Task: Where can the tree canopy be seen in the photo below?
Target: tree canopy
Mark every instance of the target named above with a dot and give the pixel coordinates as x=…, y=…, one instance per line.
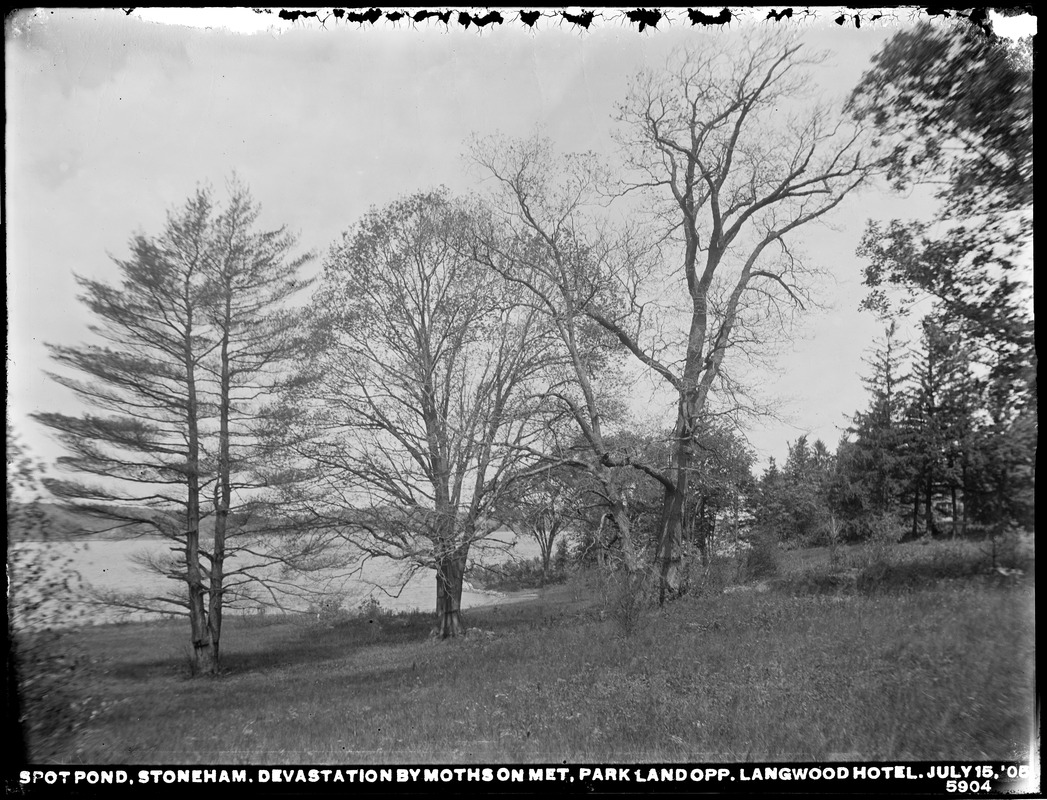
x=970, y=138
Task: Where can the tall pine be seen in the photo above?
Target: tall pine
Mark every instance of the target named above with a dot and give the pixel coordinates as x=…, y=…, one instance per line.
x=191, y=339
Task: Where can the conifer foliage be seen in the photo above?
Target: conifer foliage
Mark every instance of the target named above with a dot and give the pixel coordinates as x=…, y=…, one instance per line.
x=188, y=342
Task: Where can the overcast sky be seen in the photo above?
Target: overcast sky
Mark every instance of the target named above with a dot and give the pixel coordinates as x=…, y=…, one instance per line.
x=112, y=119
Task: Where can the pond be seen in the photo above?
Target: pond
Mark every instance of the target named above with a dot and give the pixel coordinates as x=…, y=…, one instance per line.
x=115, y=565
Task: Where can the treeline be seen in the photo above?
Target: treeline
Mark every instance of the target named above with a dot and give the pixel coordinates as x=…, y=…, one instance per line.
x=464, y=362
x=947, y=442
x=564, y=503
x=945, y=447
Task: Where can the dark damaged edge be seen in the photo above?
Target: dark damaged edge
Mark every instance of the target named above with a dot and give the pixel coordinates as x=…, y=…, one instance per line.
x=642, y=18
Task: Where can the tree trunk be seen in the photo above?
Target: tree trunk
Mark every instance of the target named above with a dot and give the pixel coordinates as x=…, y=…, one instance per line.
x=928, y=506
x=952, y=505
x=450, y=575
x=204, y=655
x=702, y=538
x=545, y=545
x=670, y=548
x=223, y=487
x=963, y=503
x=916, y=512
x=670, y=545
x=620, y=517
x=601, y=548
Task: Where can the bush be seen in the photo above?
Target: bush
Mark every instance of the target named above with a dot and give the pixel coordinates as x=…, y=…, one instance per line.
x=51, y=709
x=562, y=556
x=885, y=531
x=709, y=580
x=327, y=610
x=1009, y=547
x=334, y=608
x=44, y=591
x=761, y=559
x=515, y=575
x=371, y=608
x=626, y=596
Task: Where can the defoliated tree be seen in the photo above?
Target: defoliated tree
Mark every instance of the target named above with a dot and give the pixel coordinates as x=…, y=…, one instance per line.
x=195, y=336
x=424, y=404
x=544, y=240
x=736, y=164
x=731, y=183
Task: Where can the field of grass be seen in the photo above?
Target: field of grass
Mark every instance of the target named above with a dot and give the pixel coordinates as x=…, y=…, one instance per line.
x=925, y=655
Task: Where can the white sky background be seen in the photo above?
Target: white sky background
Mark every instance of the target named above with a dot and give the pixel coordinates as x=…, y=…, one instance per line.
x=113, y=119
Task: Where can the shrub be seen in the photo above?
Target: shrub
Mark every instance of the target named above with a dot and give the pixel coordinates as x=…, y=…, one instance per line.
x=876, y=558
x=327, y=610
x=44, y=591
x=625, y=596
x=371, y=608
x=562, y=556
x=761, y=559
x=1009, y=547
x=514, y=575
x=711, y=578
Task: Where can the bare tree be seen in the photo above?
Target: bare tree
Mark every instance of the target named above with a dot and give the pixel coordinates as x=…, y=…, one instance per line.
x=543, y=238
x=423, y=404
x=731, y=161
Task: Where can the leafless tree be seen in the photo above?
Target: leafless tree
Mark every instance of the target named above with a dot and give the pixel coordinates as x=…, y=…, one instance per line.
x=544, y=239
x=423, y=404
x=726, y=159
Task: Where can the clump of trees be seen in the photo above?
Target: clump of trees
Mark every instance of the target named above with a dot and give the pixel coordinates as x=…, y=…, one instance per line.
x=189, y=346
x=461, y=363
x=926, y=457
x=966, y=426
x=723, y=185
x=791, y=504
x=950, y=428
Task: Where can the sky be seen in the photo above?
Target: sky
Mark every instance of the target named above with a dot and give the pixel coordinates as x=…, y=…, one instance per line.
x=113, y=119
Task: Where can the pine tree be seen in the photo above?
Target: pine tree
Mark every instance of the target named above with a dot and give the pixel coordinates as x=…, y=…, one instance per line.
x=882, y=451
x=194, y=336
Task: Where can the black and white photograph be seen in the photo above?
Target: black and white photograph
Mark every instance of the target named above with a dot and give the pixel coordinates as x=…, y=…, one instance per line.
x=432, y=395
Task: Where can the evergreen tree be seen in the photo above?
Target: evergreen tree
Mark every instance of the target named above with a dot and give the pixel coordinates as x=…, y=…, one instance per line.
x=941, y=418
x=769, y=503
x=194, y=335
x=880, y=462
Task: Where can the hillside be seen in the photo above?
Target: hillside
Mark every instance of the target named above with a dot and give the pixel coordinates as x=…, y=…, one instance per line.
x=926, y=655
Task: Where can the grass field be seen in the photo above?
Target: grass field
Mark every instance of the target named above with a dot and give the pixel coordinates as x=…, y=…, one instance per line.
x=922, y=655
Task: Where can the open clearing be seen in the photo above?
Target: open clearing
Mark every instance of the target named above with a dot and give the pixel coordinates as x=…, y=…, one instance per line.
x=932, y=660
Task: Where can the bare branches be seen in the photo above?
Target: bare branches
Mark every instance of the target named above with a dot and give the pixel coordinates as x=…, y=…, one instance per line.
x=423, y=403
x=721, y=145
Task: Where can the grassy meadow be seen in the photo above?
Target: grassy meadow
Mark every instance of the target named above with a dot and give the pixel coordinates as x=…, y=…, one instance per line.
x=920, y=653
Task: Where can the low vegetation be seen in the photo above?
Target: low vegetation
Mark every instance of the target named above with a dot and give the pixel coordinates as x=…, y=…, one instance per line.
x=928, y=655
x=513, y=576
